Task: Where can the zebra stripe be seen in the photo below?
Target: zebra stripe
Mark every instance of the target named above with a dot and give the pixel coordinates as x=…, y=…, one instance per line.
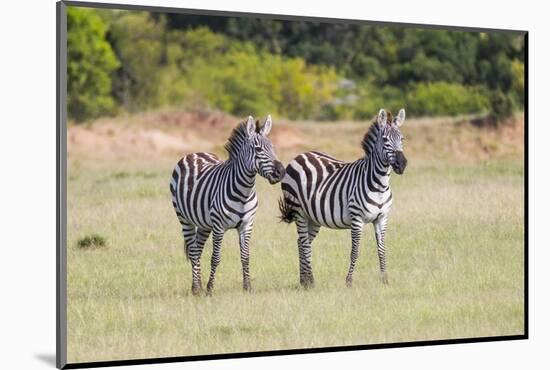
x=320, y=190
x=212, y=196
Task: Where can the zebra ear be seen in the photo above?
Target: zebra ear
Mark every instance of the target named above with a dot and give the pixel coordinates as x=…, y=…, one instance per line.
x=267, y=126
x=250, y=126
x=382, y=118
x=400, y=117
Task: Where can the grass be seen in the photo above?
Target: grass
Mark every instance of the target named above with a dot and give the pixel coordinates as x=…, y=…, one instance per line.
x=455, y=263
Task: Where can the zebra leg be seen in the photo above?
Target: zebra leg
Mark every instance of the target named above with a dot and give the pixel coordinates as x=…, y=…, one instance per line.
x=217, y=237
x=356, y=230
x=313, y=231
x=244, y=238
x=380, y=225
x=194, y=254
x=189, y=236
x=304, y=253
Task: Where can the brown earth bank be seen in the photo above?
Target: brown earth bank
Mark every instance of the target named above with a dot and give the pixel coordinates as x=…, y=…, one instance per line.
x=175, y=133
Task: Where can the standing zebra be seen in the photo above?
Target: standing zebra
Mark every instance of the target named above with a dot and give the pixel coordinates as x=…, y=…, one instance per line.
x=210, y=195
x=319, y=190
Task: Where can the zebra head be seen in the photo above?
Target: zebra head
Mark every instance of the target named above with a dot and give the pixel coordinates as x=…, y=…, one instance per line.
x=264, y=160
x=392, y=140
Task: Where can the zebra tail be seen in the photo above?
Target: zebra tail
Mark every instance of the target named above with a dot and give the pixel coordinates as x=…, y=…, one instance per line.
x=287, y=212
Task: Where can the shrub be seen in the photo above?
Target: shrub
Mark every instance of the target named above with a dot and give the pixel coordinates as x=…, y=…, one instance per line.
x=441, y=98
x=141, y=44
x=502, y=106
x=91, y=241
x=242, y=80
x=90, y=62
x=137, y=60
x=518, y=82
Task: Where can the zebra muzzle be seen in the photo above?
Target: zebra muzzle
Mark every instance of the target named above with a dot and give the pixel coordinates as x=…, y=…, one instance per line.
x=400, y=163
x=278, y=172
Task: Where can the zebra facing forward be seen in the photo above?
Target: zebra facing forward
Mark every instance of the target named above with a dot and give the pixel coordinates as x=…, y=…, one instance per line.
x=319, y=190
x=211, y=196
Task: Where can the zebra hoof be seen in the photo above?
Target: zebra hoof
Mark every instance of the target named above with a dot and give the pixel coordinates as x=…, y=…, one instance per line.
x=247, y=287
x=196, y=290
x=209, y=289
x=349, y=282
x=384, y=279
x=307, y=283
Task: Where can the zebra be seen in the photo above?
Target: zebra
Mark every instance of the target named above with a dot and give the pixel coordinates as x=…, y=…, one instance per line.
x=211, y=196
x=320, y=190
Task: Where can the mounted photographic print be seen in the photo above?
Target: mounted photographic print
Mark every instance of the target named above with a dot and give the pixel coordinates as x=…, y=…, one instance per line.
x=235, y=185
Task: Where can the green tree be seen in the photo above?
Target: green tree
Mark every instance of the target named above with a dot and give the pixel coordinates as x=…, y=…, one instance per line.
x=297, y=69
x=139, y=42
x=502, y=106
x=90, y=63
x=518, y=81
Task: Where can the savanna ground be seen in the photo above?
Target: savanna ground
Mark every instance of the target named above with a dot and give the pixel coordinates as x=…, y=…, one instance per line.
x=455, y=245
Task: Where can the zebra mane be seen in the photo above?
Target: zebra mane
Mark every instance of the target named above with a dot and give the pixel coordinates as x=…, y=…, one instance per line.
x=237, y=138
x=369, y=140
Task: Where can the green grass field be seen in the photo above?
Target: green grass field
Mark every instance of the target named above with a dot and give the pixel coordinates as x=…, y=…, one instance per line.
x=454, y=243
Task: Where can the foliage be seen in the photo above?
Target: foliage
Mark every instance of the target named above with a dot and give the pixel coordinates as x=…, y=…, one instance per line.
x=442, y=98
x=383, y=54
x=297, y=69
x=518, y=81
x=199, y=69
x=90, y=62
x=502, y=106
x=91, y=241
x=146, y=77
x=244, y=83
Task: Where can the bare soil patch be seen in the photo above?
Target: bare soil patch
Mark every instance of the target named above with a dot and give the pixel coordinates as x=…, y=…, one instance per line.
x=174, y=133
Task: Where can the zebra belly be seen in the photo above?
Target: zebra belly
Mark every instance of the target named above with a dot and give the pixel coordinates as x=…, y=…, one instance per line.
x=341, y=217
x=332, y=219
x=370, y=217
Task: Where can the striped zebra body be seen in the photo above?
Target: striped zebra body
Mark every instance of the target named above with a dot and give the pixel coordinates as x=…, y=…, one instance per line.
x=319, y=190
x=199, y=177
x=212, y=196
x=334, y=194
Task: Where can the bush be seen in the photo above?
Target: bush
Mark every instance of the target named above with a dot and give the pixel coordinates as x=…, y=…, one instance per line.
x=502, y=106
x=91, y=241
x=142, y=61
x=148, y=77
x=441, y=98
x=90, y=63
x=518, y=83
x=242, y=80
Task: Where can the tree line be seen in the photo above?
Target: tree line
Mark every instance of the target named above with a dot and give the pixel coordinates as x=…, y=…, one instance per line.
x=131, y=61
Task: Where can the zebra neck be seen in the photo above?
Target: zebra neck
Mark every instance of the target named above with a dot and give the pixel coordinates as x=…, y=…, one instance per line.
x=376, y=169
x=242, y=179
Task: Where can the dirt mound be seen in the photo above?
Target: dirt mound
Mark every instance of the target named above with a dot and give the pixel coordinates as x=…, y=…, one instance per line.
x=285, y=136
x=164, y=133
x=173, y=134
x=172, y=119
x=108, y=139
x=150, y=133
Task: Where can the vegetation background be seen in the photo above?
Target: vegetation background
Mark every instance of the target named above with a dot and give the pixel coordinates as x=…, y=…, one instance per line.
x=146, y=88
x=133, y=61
